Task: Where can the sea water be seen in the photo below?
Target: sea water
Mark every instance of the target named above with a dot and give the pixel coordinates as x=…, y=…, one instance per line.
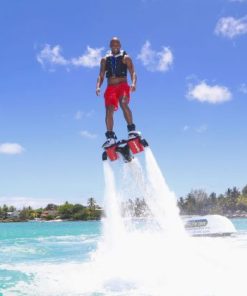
x=55, y=258
x=121, y=255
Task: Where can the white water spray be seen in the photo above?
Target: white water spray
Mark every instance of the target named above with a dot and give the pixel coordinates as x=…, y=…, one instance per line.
x=161, y=199
x=113, y=227
x=129, y=252
x=161, y=262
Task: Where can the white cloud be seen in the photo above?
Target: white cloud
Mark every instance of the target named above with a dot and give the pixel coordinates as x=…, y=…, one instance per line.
x=201, y=129
x=237, y=0
x=243, y=88
x=185, y=128
x=203, y=92
x=87, y=134
x=52, y=56
x=231, y=27
x=80, y=114
x=11, y=148
x=155, y=60
x=23, y=201
x=90, y=113
x=91, y=58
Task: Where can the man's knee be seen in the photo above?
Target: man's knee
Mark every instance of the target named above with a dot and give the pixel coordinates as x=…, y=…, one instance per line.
x=124, y=105
x=109, y=110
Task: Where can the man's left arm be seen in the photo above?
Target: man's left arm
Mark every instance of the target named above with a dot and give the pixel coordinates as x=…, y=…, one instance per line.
x=131, y=68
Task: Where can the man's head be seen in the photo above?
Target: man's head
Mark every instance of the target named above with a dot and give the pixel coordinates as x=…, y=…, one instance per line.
x=115, y=45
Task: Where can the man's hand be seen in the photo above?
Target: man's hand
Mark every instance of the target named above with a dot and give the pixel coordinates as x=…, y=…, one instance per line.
x=132, y=87
x=97, y=91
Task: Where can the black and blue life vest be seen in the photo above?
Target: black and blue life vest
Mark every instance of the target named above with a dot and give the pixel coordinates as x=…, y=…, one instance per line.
x=115, y=66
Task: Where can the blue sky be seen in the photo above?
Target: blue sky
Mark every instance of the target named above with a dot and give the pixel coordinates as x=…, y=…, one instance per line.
x=190, y=103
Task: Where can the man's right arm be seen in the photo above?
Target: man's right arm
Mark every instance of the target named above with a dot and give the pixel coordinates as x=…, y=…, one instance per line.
x=101, y=75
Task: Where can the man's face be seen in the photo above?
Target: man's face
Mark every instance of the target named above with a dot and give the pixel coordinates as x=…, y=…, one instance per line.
x=115, y=46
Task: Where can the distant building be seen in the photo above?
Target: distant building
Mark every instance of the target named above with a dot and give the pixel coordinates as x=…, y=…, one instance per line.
x=48, y=213
x=15, y=214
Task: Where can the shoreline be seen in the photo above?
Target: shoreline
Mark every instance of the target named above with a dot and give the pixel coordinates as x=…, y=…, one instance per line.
x=91, y=220
x=46, y=221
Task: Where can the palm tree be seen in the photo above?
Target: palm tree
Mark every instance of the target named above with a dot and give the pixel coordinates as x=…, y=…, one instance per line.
x=91, y=203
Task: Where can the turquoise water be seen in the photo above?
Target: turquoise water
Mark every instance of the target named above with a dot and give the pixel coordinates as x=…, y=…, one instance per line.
x=47, y=241
x=29, y=250
x=240, y=224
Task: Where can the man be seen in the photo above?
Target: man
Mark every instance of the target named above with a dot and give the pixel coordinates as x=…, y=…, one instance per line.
x=115, y=65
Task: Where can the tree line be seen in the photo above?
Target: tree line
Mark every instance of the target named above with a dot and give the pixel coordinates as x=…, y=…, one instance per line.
x=232, y=203
x=66, y=211
x=197, y=202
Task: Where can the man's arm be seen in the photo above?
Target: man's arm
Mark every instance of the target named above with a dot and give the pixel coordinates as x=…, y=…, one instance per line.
x=131, y=68
x=101, y=75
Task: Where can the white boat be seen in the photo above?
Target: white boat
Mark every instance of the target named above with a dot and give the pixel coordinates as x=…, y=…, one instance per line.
x=209, y=225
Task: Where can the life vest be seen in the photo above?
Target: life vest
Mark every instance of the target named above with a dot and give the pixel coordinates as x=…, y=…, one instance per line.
x=115, y=66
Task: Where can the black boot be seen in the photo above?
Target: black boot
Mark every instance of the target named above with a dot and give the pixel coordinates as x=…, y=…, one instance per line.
x=132, y=133
x=111, y=139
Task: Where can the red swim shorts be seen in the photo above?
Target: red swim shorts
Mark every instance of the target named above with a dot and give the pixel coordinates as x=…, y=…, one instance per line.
x=114, y=93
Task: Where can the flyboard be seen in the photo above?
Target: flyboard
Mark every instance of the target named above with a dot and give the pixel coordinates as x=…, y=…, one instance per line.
x=125, y=148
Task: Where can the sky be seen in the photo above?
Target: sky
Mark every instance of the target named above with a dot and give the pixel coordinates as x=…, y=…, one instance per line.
x=190, y=103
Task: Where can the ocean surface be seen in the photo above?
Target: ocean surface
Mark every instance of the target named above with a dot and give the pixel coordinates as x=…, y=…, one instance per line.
x=56, y=258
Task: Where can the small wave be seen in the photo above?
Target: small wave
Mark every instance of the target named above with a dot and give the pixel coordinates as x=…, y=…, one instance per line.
x=9, y=278
x=69, y=238
x=21, y=250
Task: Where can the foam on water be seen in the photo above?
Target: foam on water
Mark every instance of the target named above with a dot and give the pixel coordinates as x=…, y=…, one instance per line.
x=147, y=264
x=164, y=260
x=141, y=261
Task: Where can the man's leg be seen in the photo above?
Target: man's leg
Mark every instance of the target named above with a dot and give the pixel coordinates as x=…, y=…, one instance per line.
x=110, y=135
x=126, y=110
x=127, y=114
x=109, y=118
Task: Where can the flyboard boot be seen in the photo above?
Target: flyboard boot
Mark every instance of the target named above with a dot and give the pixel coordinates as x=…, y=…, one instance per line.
x=125, y=148
x=135, y=141
x=110, y=146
